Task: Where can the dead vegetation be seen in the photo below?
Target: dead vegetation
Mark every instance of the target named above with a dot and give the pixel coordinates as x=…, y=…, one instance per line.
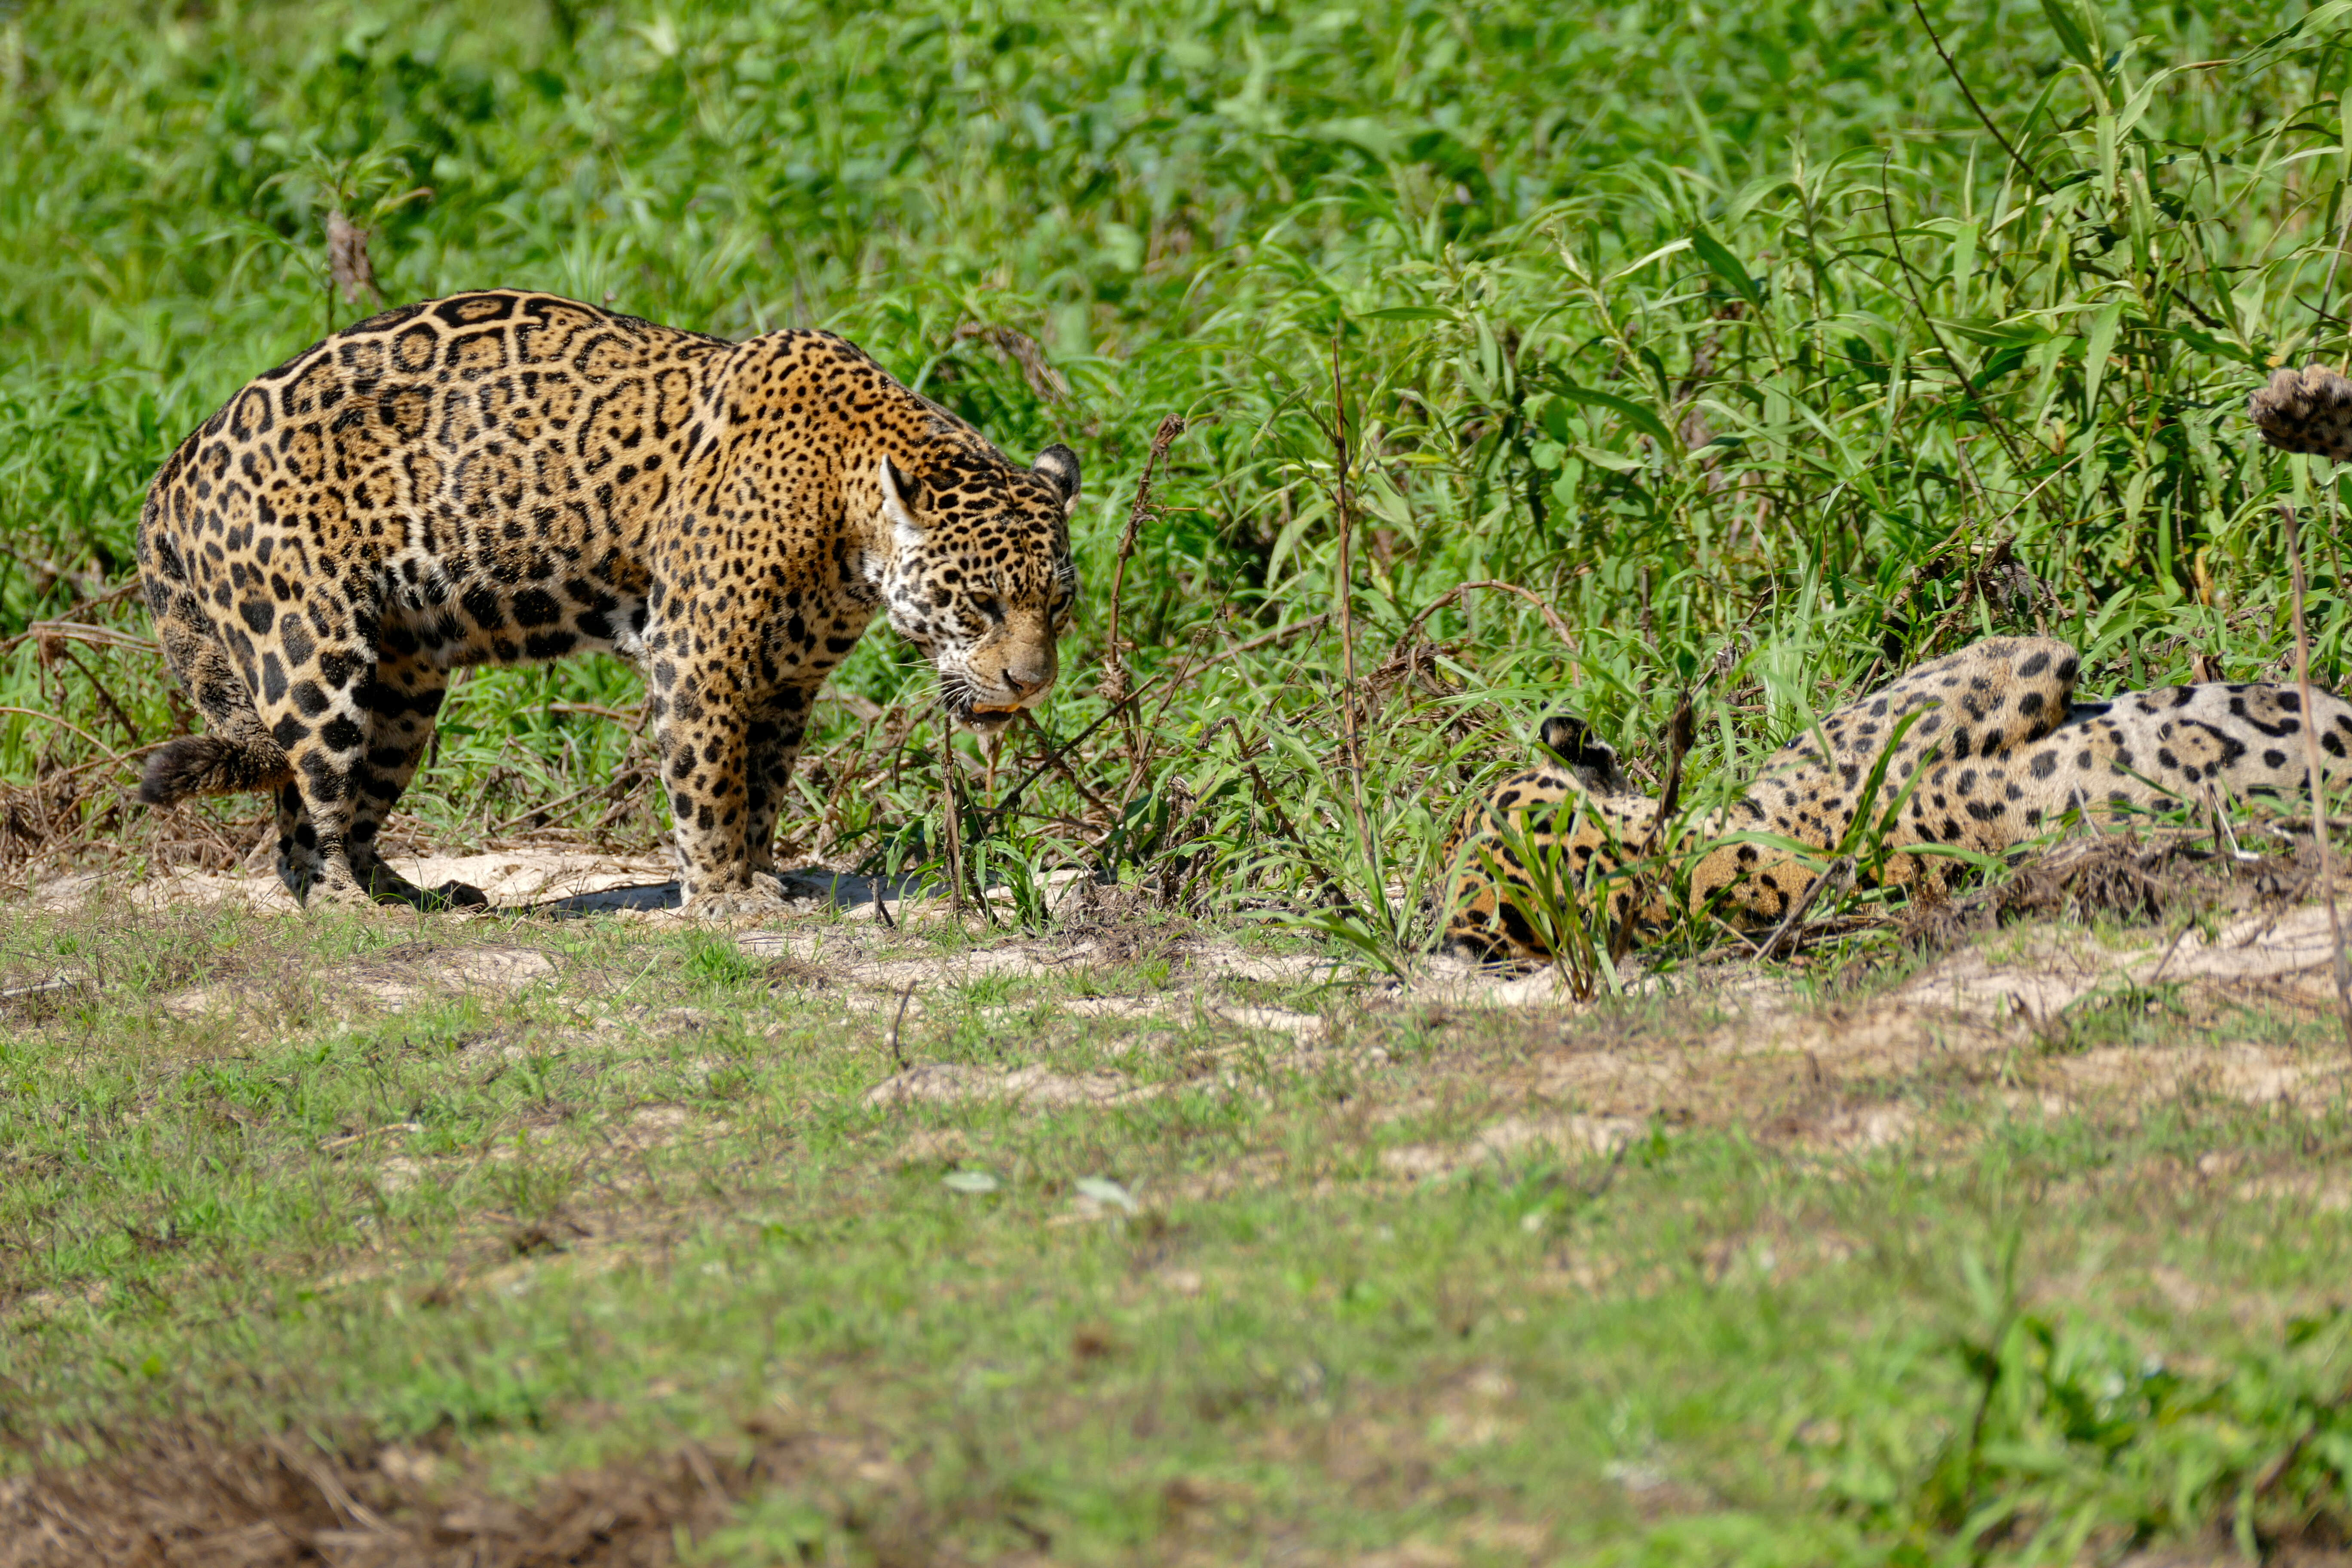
x=187, y=1493
x=2133, y=877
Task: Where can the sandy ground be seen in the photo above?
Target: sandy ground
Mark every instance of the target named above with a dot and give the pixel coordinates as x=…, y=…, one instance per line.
x=1740, y=1043
x=1512, y=1068
x=534, y=880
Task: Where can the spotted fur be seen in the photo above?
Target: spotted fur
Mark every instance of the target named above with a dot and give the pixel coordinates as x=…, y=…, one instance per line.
x=2308, y=410
x=1996, y=751
x=499, y=478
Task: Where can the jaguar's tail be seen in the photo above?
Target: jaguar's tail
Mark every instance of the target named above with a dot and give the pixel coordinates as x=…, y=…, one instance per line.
x=216, y=763
x=236, y=752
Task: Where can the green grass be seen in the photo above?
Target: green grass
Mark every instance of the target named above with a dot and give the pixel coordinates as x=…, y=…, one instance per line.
x=450, y=1230
x=644, y=1201
x=1729, y=333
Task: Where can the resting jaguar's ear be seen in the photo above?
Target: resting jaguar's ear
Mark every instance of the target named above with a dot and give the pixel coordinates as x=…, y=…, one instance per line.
x=1563, y=736
x=1058, y=466
x=895, y=486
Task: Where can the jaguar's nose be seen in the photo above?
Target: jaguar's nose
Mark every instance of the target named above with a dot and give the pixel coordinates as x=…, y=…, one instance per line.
x=1025, y=677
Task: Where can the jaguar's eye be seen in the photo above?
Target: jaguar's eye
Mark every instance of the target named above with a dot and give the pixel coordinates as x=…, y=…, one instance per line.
x=989, y=605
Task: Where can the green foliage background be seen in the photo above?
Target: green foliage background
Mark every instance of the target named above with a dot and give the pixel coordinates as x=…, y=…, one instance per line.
x=1729, y=332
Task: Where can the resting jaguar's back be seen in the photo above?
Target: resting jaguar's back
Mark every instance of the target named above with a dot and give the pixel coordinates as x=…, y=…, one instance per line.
x=1980, y=752
x=500, y=476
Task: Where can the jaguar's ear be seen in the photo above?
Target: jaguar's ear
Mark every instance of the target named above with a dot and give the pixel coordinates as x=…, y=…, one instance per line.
x=895, y=486
x=1058, y=466
x=1563, y=736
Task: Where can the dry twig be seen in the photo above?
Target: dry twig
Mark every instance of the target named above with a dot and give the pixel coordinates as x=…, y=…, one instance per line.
x=1785, y=936
x=2318, y=774
x=1112, y=687
x=347, y=260
x=1025, y=350
x=897, y=1055
x=64, y=631
x=1681, y=732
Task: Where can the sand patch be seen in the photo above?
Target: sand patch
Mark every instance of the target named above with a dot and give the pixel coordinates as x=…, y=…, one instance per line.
x=947, y=1083
x=527, y=876
x=1517, y=1138
x=531, y=879
x=877, y=974
x=2290, y=950
x=394, y=979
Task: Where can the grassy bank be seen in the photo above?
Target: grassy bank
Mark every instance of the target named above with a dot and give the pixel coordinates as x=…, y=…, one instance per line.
x=1132, y=1257
x=1756, y=360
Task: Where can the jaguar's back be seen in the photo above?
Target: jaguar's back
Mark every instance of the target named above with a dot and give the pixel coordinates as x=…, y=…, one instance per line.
x=485, y=468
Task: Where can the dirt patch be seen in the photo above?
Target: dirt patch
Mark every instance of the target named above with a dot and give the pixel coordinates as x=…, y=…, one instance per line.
x=186, y=1494
x=2037, y=1008
x=2248, y=1074
x=392, y=979
x=2134, y=877
x=943, y=1083
x=2058, y=1020
x=2287, y=953
x=1846, y=1078
x=525, y=876
x=1516, y=1137
x=946, y=1083
x=399, y=975
x=864, y=956
x=555, y=879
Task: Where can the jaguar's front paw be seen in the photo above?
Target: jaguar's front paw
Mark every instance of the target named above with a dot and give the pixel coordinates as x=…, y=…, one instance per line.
x=333, y=892
x=753, y=902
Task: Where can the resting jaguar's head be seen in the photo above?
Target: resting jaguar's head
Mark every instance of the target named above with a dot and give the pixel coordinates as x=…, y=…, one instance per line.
x=979, y=575
x=1592, y=759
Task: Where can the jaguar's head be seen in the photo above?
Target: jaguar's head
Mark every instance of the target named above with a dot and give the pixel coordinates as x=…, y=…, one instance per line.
x=1591, y=759
x=979, y=575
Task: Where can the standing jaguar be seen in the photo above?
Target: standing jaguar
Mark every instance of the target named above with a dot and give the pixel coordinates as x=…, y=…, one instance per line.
x=505, y=477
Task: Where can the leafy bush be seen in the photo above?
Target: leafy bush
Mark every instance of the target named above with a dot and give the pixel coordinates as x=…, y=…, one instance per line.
x=1736, y=344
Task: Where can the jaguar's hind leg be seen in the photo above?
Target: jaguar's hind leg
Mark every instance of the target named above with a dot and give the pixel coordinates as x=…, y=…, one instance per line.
x=300, y=865
x=400, y=704
x=314, y=716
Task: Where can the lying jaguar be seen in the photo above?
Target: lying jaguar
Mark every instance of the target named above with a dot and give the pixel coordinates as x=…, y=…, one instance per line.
x=1981, y=751
x=501, y=476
